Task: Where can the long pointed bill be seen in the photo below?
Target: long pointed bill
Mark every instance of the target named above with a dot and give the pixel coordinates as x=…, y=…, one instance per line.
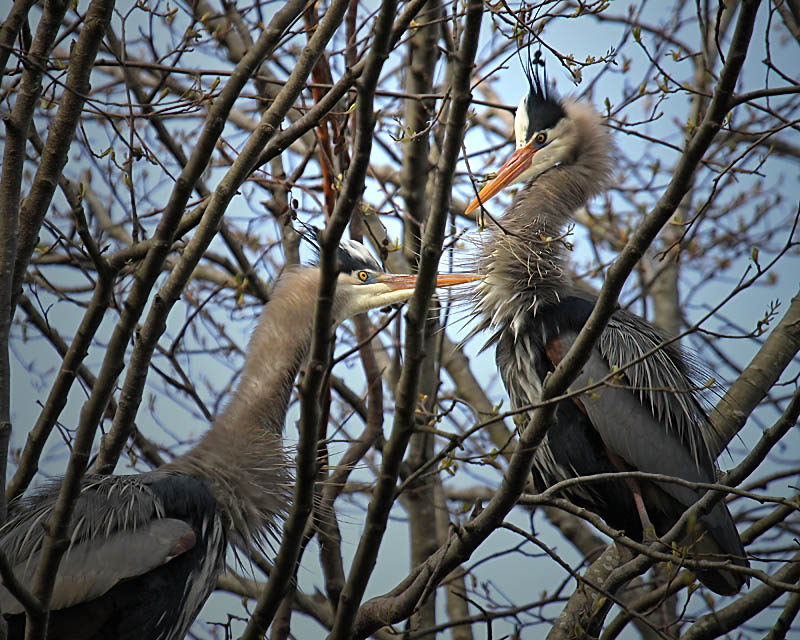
x=511, y=169
x=396, y=281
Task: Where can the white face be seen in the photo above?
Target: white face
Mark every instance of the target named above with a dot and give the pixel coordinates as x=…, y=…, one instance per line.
x=556, y=148
x=372, y=296
x=362, y=291
x=537, y=150
x=521, y=122
x=366, y=289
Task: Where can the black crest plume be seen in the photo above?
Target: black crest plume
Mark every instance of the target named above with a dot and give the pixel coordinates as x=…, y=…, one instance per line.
x=351, y=255
x=544, y=109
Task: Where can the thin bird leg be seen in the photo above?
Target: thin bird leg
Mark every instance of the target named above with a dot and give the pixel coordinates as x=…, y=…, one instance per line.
x=647, y=526
x=648, y=530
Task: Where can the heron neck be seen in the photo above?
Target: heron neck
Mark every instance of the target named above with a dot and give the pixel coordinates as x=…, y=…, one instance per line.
x=525, y=255
x=241, y=458
x=276, y=351
x=525, y=259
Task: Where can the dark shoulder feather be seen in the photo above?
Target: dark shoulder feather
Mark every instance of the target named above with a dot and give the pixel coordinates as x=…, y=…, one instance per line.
x=543, y=106
x=662, y=376
x=656, y=369
x=106, y=504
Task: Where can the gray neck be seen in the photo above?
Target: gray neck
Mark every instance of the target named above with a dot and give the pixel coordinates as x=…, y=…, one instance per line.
x=241, y=458
x=525, y=255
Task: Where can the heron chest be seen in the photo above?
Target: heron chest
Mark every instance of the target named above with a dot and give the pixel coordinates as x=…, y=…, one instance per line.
x=522, y=361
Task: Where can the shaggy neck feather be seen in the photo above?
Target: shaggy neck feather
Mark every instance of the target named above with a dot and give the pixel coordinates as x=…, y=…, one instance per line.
x=524, y=258
x=241, y=458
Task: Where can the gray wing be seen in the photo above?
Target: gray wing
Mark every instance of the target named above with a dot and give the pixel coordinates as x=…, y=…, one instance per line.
x=650, y=417
x=650, y=414
x=117, y=531
x=667, y=380
x=91, y=568
x=631, y=429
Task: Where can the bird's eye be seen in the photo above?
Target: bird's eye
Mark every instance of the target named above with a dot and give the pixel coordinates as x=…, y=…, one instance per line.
x=363, y=276
x=540, y=138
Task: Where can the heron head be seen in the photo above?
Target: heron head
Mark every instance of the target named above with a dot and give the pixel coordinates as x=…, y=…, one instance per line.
x=363, y=284
x=547, y=134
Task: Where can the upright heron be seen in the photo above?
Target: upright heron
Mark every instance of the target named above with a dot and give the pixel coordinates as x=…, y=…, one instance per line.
x=648, y=417
x=146, y=549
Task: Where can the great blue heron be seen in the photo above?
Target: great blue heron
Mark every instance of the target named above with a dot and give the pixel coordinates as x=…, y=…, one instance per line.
x=146, y=549
x=649, y=417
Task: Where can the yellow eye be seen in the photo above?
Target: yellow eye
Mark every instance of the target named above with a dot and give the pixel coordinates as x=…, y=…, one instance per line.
x=363, y=276
x=540, y=138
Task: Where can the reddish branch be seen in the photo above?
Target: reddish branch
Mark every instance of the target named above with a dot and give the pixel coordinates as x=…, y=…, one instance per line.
x=321, y=75
x=346, y=624
x=55, y=542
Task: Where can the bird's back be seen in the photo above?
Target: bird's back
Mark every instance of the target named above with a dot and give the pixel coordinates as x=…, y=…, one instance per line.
x=145, y=553
x=571, y=445
x=647, y=416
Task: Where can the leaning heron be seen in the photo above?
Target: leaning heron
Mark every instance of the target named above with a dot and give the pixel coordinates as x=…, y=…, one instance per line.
x=145, y=550
x=649, y=417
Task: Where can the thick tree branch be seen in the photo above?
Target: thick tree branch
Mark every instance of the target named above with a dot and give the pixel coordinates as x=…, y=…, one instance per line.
x=17, y=125
x=17, y=15
x=743, y=609
x=60, y=134
x=55, y=542
x=752, y=386
x=347, y=623
x=306, y=472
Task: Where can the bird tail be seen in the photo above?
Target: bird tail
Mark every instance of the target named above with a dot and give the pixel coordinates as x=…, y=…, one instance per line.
x=720, y=541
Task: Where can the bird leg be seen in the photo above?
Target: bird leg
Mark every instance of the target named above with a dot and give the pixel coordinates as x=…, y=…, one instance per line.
x=648, y=530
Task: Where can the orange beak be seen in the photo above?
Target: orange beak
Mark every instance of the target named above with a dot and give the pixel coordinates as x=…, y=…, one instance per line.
x=398, y=281
x=510, y=171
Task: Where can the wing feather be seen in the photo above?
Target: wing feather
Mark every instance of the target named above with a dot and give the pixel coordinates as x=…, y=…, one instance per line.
x=663, y=377
x=629, y=424
x=92, y=567
x=117, y=531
